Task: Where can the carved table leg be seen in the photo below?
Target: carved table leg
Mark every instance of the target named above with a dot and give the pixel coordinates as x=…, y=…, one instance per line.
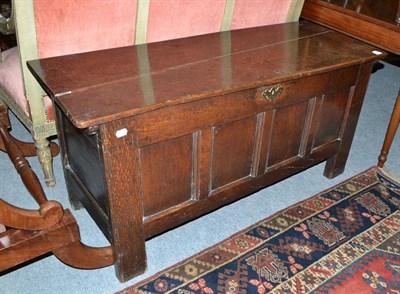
x=391, y=131
x=45, y=159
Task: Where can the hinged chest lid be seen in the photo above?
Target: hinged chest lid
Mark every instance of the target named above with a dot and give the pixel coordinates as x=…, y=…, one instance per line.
x=97, y=87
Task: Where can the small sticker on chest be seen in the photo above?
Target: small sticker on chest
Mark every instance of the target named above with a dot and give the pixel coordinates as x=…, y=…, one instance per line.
x=121, y=133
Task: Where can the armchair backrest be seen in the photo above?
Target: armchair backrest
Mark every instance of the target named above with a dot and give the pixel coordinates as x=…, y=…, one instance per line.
x=163, y=20
x=74, y=26
x=67, y=27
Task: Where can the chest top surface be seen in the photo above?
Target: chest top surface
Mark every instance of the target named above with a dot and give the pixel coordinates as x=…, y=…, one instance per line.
x=102, y=86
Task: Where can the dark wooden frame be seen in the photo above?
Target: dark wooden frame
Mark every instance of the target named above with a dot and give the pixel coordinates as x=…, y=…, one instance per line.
x=363, y=27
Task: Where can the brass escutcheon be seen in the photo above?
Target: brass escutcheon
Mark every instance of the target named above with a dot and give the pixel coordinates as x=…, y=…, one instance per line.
x=272, y=93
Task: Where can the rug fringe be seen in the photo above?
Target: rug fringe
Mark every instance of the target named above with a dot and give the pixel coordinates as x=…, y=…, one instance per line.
x=391, y=174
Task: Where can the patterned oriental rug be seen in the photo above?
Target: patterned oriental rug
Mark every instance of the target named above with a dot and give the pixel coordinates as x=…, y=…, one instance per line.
x=344, y=239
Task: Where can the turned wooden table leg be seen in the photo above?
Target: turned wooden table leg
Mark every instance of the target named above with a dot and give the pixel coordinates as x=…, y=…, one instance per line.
x=391, y=131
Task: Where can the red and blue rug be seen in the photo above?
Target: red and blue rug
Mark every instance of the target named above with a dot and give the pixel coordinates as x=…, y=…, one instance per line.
x=344, y=239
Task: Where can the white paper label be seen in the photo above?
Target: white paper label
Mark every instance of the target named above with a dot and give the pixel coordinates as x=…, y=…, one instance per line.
x=121, y=133
x=376, y=52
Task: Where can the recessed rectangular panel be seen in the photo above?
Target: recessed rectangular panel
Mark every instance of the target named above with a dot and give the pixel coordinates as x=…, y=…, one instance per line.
x=166, y=174
x=287, y=133
x=330, y=118
x=232, y=151
x=85, y=160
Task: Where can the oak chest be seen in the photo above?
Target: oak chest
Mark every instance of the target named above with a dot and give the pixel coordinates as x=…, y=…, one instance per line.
x=155, y=135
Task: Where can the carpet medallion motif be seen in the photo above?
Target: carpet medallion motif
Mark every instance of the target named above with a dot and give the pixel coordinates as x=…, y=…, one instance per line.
x=344, y=239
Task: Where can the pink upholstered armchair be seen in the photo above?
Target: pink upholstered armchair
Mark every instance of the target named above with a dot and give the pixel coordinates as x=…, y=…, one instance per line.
x=48, y=28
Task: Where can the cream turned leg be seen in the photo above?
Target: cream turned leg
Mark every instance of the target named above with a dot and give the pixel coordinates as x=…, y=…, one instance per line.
x=46, y=160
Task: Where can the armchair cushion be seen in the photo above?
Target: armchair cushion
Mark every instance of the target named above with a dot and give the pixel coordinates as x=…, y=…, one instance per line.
x=11, y=81
x=11, y=77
